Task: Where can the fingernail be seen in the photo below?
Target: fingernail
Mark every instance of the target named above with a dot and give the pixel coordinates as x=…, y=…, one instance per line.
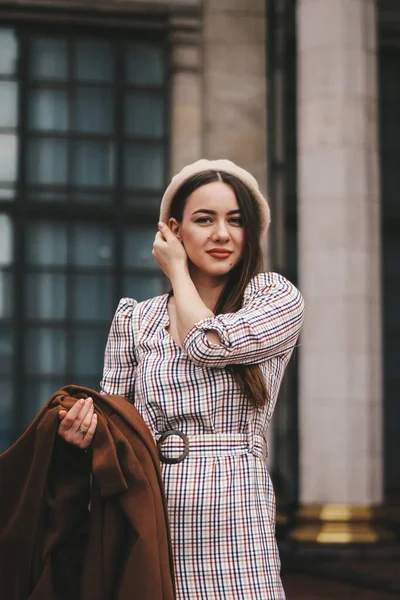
x=81, y=401
x=89, y=400
x=95, y=416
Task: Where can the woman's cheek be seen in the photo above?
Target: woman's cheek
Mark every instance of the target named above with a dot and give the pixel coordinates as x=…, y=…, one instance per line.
x=191, y=250
x=193, y=243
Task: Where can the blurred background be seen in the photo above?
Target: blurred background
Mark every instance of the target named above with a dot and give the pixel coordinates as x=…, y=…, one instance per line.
x=101, y=101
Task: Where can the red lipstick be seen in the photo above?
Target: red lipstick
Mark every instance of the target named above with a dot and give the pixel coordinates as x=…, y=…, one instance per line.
x=219, y=252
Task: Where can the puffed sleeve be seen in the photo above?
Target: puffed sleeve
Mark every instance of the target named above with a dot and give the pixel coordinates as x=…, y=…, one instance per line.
x=267, y=326
x=119, y=357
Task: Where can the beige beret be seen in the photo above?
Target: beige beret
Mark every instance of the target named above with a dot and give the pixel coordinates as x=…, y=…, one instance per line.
x=215, y=165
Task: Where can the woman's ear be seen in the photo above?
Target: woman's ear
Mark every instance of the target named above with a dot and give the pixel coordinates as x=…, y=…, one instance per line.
x=174, y=227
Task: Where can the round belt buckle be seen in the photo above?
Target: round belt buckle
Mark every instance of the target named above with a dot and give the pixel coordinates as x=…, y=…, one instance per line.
x=173, y=461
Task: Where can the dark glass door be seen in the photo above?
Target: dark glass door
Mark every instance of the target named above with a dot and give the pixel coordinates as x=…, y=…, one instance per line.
x=389, y=93
x=282, y=192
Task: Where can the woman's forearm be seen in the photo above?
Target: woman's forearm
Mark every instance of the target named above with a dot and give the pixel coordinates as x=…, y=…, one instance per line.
x=190, y=308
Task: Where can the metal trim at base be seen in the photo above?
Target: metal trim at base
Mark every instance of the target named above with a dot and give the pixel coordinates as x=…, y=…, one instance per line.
x=340, y=524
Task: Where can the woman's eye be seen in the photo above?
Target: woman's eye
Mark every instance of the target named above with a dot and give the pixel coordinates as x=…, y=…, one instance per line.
x=237, y=221
x=203, y=220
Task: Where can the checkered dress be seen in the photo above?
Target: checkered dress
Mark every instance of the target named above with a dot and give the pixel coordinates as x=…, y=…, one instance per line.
x=220, y=497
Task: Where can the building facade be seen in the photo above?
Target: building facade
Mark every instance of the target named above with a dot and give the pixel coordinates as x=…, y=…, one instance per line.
x=100, y=102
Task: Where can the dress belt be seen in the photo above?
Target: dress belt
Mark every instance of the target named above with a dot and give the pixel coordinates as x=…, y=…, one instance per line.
x=174, y=446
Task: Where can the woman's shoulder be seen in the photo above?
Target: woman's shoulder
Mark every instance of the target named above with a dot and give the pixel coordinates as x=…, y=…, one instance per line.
x=125, y=307
x=127, y=303
x=145, y=309
x=266, y=282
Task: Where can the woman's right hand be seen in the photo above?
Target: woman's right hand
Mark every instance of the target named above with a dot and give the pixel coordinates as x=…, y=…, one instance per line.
x=78, y=425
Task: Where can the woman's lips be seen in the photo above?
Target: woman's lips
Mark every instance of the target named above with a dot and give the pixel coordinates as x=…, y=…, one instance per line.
x=220, y=253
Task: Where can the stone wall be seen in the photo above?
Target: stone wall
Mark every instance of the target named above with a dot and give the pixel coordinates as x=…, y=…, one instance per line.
x=117, y=5
x=235, y=83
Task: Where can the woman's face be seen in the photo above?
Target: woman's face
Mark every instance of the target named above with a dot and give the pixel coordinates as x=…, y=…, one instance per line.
x=211, y=229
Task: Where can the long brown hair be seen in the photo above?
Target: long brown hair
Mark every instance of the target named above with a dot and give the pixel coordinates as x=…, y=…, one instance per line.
x=249, y=377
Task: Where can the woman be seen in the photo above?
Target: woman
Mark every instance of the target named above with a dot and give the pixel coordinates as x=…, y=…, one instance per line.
x=203, y=365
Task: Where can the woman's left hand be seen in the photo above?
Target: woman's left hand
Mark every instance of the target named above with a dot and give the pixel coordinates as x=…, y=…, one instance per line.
x=169, y=251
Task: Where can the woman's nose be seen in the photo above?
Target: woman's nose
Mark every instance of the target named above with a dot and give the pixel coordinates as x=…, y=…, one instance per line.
x=221, y=231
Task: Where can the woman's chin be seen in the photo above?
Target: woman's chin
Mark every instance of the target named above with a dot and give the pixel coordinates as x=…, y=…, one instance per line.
x=214, y=270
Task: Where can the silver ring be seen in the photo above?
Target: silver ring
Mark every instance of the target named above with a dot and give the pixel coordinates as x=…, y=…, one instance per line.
x=82, y=431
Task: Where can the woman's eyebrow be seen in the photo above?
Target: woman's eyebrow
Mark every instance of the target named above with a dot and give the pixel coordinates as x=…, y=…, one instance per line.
x=213, y=212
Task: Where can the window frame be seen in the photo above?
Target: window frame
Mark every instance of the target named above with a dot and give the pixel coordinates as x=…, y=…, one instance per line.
x=121, y=215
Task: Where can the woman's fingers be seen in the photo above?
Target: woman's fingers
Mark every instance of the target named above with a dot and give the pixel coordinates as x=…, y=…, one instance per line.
x=83, y=424
x=165, y=231
x=72, y=414
x=159, y=241
x=87, y=440
x=78, y=425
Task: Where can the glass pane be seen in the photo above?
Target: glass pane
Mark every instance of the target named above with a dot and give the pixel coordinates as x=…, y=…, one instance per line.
x=88, y=351
x=47, y=161
x=145, y=64
x=45, y=351
x=391, y=307
x=6, y=240
x=94, y=110
x=144, y=166
x=8, y=157
x=6, y=404
x=142, y=287
x=92, y=297
x=47, y=196
x=89, y=381
x=7, y=192
x=6, y=294
x=6, y=350
x=91, y=198
x=46, y=297
x=144, y=115
x=6, y=259
x=36, y=395
x=391, y=256
x=8, y=51
x=92, y=246
x=150, y=204
x=46, y=243
x=138, y=244
x=94, y=61
x=8, y=104
x=48, y=110
x=392, y=355
x=48, y=58
x=93, y=163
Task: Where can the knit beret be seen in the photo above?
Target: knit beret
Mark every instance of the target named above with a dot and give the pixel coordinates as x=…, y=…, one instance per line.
x=215, y=165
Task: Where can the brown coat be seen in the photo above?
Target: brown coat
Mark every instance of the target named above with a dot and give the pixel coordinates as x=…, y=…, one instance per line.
x=52, y=547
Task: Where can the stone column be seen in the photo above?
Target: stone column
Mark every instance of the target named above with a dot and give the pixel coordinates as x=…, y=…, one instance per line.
x=235, y=83
x=186, y=91
x=340, y=278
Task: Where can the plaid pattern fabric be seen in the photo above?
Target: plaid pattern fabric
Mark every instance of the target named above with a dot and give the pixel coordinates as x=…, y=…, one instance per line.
x=220, y=498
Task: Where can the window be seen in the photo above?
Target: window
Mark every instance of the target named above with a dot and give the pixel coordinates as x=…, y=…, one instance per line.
x=83, y=158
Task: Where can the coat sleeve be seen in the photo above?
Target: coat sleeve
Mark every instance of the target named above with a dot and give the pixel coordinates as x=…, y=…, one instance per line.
x=119, y=357
x=267, y=326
